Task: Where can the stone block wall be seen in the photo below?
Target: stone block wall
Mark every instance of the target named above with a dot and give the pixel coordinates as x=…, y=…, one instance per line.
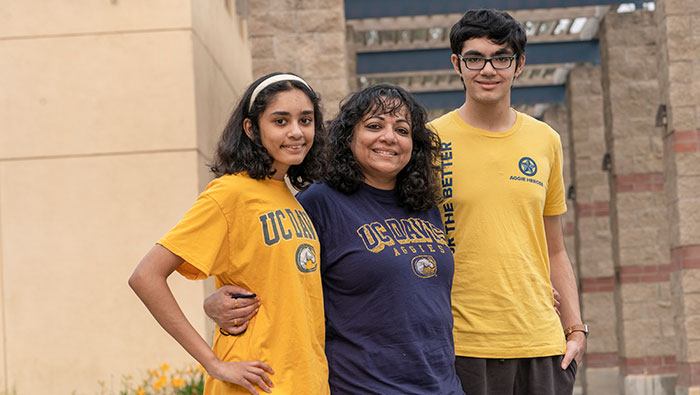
x=305, y=37
x=679, y=73
x=593, y=237
x=640, y=230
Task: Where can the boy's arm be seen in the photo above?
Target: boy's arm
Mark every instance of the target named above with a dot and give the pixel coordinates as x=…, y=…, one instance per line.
x=562, y=277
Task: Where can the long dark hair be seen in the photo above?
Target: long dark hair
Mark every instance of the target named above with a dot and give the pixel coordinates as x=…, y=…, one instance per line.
x=417, y=183
x=236, y=152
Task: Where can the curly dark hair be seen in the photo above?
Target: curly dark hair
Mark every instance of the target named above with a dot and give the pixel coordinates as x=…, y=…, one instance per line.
x=417, y=183
x=236, y=152
x=497, y=26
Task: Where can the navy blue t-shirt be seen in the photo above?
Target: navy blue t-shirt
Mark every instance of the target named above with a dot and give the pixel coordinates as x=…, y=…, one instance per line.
x=387, y=274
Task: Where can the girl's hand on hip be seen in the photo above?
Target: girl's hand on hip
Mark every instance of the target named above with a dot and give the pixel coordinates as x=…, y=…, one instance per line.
x=246, y=374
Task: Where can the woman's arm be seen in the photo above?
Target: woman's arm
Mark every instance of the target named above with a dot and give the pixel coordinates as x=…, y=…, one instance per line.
x=149, y=281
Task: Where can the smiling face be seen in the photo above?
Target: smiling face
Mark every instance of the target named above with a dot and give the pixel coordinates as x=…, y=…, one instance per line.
x=382, y=146
x=488, y=85
x=286, y=129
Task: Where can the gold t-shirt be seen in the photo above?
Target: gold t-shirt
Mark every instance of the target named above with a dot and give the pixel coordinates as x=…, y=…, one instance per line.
x=497, y=188
x=254, y=233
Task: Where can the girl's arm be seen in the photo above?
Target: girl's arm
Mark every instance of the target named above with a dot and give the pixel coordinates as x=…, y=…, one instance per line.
x=149, y=281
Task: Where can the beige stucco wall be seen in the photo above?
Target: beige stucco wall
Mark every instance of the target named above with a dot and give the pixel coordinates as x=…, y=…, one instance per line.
x=110, y=111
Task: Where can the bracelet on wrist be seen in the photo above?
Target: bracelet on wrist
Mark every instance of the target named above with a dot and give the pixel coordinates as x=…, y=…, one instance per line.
x=576, y=328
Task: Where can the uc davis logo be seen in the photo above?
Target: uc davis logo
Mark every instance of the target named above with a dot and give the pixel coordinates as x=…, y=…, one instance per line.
x=424, y=266
x=527, y=166
x=306, y=258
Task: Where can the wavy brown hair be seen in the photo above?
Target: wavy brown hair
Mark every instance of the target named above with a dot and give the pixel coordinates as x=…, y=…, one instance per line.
x=417, y=183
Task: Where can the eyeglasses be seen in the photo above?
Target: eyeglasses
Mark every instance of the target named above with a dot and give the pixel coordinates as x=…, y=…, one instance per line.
x=497, y=62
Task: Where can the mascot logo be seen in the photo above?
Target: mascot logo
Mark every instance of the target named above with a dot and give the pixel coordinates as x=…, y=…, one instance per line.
x=424, y=266
x=306, y=258
x=527, y=166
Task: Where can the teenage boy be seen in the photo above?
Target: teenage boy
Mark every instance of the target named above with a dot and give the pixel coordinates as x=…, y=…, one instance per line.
x=502, y=181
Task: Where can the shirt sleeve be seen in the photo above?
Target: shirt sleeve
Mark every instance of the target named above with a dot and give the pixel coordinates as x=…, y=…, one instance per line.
x=555, y=203
x=201, y=240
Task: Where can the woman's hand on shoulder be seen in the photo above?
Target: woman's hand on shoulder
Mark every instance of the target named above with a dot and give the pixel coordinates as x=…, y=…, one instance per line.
x=231, y=314
x=246, y=374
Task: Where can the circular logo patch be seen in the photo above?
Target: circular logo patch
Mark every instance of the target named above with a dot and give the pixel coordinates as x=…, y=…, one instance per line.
x=424, y=266
x=306, y=258
x=527, y=166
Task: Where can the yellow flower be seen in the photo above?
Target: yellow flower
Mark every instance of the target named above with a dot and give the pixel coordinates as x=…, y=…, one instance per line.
x=177, y=382
x=164, y=367
x=153, y=372
x=140, y=391
x=162, y=380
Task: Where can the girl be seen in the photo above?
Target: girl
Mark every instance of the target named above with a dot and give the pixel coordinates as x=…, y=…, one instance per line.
x=247, y=229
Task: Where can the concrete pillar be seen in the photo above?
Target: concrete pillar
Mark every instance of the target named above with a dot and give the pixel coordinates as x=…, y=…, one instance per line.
x=108, y=113
x=638, y=207
x=306, y=37
x=679, y=76
x=592, y=231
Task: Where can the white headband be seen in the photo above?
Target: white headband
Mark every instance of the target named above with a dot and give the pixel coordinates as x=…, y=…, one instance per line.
x=272, y=80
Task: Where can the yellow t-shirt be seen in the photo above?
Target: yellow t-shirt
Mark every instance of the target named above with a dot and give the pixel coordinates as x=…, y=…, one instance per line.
x=497, y=188
x=254, y=233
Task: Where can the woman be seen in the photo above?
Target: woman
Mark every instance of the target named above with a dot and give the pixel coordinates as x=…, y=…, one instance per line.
x=386, y=267
x=246, y=228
